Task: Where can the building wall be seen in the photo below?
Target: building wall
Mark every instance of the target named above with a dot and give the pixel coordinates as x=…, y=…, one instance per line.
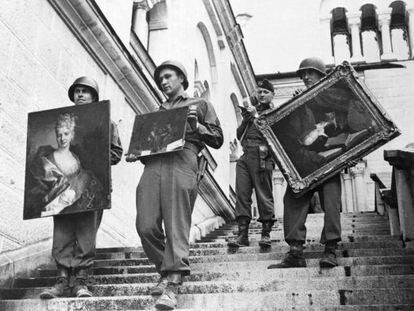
x=40, y=57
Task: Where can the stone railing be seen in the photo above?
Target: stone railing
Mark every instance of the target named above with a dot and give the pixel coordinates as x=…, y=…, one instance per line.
x=400, y=200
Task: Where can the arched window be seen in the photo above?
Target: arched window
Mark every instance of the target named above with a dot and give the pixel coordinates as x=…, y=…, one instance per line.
x=370, y=34
x=399, y=30
x=340, y=35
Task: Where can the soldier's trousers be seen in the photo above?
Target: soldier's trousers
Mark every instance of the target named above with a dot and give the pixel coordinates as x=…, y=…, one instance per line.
x=74, y=239
x=166, y=193
x=296, y=211
x=249, y=176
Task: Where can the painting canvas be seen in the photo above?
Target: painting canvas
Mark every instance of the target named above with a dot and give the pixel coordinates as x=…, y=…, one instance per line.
x=158, y=132
x=314, y=135
x=68, y=160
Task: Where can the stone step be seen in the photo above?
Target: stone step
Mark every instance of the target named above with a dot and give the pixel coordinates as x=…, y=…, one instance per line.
x=225, y=301
x=245, y=274
x=263, y=255
x=348, y=262
x=327, y=283
x=276, y=247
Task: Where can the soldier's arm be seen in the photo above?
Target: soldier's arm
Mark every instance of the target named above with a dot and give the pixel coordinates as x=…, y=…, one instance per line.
x=116, y=146
x=209, y=129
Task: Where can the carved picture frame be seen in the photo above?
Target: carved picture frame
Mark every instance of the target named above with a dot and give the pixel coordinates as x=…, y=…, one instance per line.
x=355, y=111
x=68, y=160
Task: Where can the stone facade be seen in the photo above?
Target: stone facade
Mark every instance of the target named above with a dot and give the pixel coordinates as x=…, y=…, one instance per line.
x=45, y=45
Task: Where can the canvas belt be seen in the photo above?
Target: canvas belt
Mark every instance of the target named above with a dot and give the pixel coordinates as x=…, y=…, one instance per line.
x=249, y=142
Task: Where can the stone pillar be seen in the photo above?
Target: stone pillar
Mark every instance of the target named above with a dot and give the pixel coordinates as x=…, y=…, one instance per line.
x=384, y=22
x=347, y=193
x=140, y=24
x=279, y=186
x=355, y=23
x=410, y=12
x=360, y=186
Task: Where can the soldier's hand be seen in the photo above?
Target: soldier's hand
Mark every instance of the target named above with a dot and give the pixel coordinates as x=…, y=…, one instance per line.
x=192, y=117
x=297, y=92
x=131, y=157
x=254, y=100
x=249, y=113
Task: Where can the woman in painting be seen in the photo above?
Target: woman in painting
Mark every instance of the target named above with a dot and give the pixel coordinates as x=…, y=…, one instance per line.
x=61, y=181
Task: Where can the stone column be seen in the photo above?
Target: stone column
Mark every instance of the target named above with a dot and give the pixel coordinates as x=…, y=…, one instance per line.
x=360, y=186
x=347, y=193
x=355, y=23
x=139, y=24
x=410, y=12
x=384, y=22
x=279, y=186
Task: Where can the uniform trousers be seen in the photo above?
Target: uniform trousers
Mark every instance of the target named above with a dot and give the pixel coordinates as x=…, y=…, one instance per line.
x=250, y=176
x=74, y=239
x=297, y=209
x=166, y=193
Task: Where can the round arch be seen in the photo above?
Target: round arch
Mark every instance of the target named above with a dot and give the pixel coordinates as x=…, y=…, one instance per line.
x=210, y=50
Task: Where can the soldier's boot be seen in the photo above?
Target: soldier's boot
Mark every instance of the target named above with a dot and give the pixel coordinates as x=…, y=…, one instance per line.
x=328, y=259
x=243, y=234
x=168, y=299
x=61, y=286
x=158, y=289
x=265, y=241
x=293, y=259
x=80, y=288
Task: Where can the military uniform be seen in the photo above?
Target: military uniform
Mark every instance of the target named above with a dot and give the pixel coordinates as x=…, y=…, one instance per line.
x=74, y=235
x=168, y=189
x=254, y=170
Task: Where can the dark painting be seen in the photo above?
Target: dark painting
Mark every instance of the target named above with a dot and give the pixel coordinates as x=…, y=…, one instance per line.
x=314, y=135
x=67, y=160
x=158, y=132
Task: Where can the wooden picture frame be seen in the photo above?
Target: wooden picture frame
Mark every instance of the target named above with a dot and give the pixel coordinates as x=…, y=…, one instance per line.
x=158, y=132
x=68, y=160
x=314, y=135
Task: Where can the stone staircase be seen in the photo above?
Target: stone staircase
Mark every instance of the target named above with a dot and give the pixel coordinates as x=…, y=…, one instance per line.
x=376, y=272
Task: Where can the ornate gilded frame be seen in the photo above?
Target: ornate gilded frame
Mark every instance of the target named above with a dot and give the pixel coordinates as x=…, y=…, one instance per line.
x=386, y=130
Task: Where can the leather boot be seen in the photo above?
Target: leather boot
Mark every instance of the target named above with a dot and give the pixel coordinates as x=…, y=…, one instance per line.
x=265, y=241
x=80, y=288
x=328, y=259
x=168, y=299
x=158, y=289
x=243, y=234
x=293, y=259
x=61, y=286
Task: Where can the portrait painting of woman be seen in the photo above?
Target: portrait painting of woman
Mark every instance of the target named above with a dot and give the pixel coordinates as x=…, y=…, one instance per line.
x=60, y=176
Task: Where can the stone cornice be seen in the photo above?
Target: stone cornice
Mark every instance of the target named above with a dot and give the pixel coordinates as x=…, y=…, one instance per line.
x=90, y=26
x=234, y=37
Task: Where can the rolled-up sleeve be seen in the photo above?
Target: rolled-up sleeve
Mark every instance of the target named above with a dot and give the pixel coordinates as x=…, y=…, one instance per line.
x=116, y=146
x=209, y=129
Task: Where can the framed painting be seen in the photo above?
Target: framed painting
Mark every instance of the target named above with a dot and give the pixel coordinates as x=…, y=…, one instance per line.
x=158, y=132
x=315, y=134
x=68, y=160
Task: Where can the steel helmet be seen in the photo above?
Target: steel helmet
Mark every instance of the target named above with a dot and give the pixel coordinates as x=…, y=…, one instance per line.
x=84, y=81
x=312, y=63
x=174, y=65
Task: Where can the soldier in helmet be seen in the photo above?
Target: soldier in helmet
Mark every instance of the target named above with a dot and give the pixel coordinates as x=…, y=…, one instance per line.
x=74, y=235
x=311, y=70
x=168, y=186
x=254, y=171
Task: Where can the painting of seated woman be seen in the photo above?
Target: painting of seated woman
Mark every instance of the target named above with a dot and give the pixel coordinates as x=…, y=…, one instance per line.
x=315, y=134
x=67, y=164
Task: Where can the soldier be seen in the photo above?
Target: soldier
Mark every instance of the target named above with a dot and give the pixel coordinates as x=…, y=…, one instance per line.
x=254, y=171
x=168, y=186
x=74, y=235
x=311, y=70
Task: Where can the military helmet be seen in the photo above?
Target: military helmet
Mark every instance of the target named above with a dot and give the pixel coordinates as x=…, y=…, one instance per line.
x=84, y=81
x=174, y=65
x=312, y=63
